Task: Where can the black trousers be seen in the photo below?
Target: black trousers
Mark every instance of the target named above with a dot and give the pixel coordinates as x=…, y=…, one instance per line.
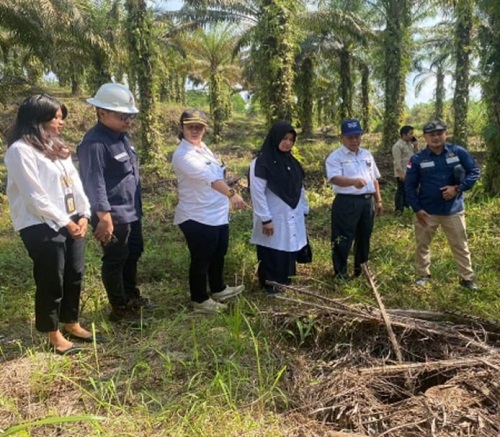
x=58, y=270
x=119, y=263
x=275, y=265
x=400, y=196
x=352, y=220
x=207, y=247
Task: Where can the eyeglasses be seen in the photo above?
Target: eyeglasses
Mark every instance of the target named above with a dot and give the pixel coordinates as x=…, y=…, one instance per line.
x=122, y=116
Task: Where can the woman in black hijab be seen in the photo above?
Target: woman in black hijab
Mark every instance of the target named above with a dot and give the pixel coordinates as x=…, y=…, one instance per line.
x=279, y=206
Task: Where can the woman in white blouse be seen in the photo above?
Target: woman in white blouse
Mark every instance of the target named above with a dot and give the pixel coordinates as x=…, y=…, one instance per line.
x=203, y=213
x=279, y=206
x=50, y=210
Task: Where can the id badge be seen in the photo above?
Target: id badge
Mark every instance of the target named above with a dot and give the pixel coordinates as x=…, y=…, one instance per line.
x=69, y=201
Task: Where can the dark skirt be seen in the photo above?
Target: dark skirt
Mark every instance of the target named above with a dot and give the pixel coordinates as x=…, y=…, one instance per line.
x=275, y=265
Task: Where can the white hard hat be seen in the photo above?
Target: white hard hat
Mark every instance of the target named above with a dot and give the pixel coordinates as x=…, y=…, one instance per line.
x=114, y=97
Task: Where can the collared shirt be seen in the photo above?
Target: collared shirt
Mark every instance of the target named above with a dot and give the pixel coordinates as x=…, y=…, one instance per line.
x=427, y=173
x=344, y=162
x=37, y=187
x=289, y=224
x=196, y=169
x=401, y=154
x=110, y=174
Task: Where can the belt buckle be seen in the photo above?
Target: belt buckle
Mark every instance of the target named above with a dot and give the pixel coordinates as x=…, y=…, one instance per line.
x=367, y=196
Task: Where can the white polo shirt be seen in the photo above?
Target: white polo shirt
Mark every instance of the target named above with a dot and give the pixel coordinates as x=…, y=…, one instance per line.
x=196, y=169
x=343, y=162
x=36, y=191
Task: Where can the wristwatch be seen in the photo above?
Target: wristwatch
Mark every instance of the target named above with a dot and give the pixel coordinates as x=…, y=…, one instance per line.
x=231, y=192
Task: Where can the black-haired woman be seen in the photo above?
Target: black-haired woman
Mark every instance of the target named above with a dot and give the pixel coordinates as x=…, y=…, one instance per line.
x=50, y=210
x=203, y=213
x=279, y=207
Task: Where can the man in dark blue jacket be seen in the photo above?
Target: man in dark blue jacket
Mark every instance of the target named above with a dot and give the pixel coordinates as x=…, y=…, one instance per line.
x=436, y=177
x=110, y=175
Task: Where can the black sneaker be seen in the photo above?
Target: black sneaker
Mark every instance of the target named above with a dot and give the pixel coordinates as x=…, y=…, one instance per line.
x=471, y=285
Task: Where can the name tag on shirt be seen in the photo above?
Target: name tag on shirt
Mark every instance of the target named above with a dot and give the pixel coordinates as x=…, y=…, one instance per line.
x=428, y=164
x=452, y=160
x=121, y=155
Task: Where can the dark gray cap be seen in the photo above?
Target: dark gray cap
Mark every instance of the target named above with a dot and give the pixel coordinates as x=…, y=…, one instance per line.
x=434, y=126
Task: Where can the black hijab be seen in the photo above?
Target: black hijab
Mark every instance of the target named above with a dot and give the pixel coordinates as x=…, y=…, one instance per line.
x=283, y=172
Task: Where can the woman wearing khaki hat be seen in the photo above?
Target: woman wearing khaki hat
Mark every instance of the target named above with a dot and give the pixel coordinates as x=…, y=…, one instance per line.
x=203, y=213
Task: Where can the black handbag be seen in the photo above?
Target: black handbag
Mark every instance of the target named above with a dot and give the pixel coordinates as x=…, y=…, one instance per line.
x=304, y=255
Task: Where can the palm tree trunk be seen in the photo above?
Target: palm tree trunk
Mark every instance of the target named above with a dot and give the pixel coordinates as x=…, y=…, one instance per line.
x=305, y=87
x=440, y=94
x=365, y=97
x=396, y=66
x=345, y=83
x=464, y=14
x=491, y=91
x=141, y=59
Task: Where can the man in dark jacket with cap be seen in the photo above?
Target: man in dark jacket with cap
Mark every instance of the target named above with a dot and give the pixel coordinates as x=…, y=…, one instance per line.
x=436, y=177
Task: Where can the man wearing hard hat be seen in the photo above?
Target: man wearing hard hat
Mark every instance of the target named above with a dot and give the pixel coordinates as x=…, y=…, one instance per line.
x=110, y=175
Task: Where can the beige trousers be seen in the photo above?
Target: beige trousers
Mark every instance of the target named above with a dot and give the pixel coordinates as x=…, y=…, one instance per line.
x=454, y=228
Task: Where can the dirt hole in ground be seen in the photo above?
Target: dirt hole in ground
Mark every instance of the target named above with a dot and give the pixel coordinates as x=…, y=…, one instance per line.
x=344, y=372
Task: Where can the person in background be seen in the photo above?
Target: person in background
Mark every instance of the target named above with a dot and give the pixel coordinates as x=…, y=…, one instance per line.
x=414, y=142
x=203, y=213
x=436, y=177
x=110, y=173
x=50, y=211
x=279, y=206
x=402, y=150
x=353, y=174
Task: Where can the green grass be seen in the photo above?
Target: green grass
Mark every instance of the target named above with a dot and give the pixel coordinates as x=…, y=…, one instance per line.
x=182, y=374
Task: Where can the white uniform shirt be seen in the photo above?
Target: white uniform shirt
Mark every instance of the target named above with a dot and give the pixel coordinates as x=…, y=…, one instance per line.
x=343, y=162
x=36, y=190
x=196, y=169
x=289, y=224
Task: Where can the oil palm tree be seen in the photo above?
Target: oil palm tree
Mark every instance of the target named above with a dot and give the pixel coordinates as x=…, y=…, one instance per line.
x=212, y=62
x=270, y=30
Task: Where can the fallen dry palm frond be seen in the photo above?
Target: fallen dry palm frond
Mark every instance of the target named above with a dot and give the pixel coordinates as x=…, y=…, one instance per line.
x=443, y=382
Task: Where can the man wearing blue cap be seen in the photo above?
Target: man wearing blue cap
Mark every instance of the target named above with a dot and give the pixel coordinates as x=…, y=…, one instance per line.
x=435, y=179
x=353, y=174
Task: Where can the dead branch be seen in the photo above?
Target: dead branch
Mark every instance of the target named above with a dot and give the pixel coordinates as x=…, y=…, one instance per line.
x=427, y=366
x=385, y=317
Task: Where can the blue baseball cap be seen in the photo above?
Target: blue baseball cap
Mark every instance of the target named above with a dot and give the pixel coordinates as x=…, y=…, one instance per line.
x=351, y=126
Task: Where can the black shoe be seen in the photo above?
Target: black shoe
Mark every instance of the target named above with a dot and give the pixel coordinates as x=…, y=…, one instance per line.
x=471, y=285
x=73, y=350
x=271, y=290
x=341, y=277
x=124, y=314
x=98, y=338
x=141, y=302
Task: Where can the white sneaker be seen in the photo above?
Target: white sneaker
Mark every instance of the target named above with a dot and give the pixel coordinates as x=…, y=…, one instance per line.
x=422, y=281
x=228, y=293
x=208, y=306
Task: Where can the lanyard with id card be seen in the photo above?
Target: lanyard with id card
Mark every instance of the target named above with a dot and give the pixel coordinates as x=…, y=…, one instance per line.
x=69, y=198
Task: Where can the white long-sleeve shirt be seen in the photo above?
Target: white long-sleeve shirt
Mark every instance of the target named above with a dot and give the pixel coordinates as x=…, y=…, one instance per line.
x=36, y=188
x=289, y=224
x=196, y=169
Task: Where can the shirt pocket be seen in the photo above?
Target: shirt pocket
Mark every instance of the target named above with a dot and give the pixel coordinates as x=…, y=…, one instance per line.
x=349, y=169
x=121, y=164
